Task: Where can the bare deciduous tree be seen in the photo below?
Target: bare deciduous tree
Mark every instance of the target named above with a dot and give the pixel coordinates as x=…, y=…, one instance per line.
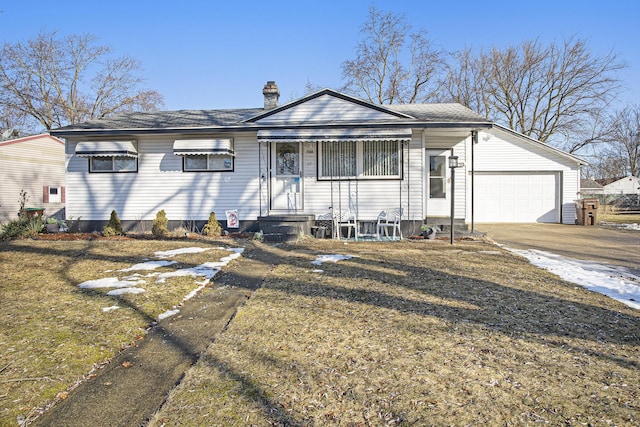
x=392, y=65
x=540, y=91
x=624, y=138
x=59, y=81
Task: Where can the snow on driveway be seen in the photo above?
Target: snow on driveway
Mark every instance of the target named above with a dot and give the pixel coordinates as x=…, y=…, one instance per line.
x=617, y=282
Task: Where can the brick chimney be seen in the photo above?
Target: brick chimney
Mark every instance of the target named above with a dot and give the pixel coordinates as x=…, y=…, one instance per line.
x=271, y=94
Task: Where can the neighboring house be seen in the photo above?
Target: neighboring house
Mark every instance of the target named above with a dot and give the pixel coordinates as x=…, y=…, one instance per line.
x=590, y=187
x=626, y=185
x=325, y=151
x=36, y=165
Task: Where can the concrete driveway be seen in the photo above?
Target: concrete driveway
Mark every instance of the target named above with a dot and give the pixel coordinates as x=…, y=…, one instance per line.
x=596, y=243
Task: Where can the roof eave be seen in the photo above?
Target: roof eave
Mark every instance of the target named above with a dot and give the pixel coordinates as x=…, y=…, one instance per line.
x=419, y=124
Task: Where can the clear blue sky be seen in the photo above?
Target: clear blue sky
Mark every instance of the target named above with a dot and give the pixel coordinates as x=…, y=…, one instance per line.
x=219, y=54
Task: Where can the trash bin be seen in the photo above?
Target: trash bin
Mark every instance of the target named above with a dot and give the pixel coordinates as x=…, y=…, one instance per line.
x=34, y=212
x=587, y=211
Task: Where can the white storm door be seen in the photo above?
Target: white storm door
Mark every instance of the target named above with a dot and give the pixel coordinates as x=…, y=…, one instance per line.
x=438, y=183
x=286, y=185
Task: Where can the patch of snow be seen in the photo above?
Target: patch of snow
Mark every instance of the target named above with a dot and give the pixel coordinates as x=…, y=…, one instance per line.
x=174, y=252
x=330, y=258
x=616, y=282
x=168, y=313
x=317, y=270
x=109, y=282
x=200, y=270
x=127, y=285
x=149, y=265
x=122, y=291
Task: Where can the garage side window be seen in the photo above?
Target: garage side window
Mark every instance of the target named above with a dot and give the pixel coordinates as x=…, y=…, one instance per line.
x=437, y=177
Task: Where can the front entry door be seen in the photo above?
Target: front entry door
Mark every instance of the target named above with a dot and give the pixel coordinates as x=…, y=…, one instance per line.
x=286, y=185
x=438, y=183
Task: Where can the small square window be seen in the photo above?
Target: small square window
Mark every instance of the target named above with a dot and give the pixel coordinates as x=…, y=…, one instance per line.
x=55, y=195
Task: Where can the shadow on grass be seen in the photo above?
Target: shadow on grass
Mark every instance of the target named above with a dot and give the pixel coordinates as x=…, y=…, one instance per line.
x=511, y=311
x=516, y=313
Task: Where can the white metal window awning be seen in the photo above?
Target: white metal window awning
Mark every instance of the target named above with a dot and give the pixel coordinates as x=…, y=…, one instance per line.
x=334, y=135
x=191, y=147
x=106, y=149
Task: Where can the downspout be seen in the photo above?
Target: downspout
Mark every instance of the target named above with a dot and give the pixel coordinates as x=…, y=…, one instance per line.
x=261, y=177
x=339, y=180
x=423, y=150
x=474, y=141
x=401, y=171
x=408, y=185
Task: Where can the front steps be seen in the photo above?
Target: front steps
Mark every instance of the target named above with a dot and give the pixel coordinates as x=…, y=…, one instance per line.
x=285, y=228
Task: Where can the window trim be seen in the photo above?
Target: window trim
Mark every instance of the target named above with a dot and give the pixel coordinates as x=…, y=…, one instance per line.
x=90, y=159
x=229, y=156
x=360, y=176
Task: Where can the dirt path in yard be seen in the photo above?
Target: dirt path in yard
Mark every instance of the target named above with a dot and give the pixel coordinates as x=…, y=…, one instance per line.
x=136, y=382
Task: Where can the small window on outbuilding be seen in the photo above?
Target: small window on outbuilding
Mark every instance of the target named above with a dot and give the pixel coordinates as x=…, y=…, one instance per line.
x=53, y=194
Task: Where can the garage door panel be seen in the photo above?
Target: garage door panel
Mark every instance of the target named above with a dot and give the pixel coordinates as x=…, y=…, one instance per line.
x=516, y=197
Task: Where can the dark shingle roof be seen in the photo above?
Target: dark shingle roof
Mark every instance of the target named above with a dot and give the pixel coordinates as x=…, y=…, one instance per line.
x=193, y=120
x=438, y=112
x=167, y=120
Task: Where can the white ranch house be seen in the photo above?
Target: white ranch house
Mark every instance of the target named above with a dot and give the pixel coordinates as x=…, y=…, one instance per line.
x=297, y=162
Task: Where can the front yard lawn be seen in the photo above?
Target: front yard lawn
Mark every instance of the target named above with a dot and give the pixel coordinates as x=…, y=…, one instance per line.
x=406, y=333
x=415, y=333
x=53, y=333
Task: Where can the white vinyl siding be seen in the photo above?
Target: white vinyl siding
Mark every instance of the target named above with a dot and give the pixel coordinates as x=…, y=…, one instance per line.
x=327, y=109
x=161, y=184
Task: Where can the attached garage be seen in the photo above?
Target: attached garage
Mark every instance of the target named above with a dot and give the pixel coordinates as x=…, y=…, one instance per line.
x=520, y=179
x=517, y=197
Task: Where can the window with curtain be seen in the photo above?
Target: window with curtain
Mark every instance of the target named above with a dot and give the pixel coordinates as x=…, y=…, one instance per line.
x=359, y=159
x=338, y=159
x=380, y=158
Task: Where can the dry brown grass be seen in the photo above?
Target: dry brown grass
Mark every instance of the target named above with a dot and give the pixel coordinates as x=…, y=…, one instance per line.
x=415, y=333
x=52, y=333
x=619, y=218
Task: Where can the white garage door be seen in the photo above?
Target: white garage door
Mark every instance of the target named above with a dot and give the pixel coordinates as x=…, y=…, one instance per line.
x=516, y=197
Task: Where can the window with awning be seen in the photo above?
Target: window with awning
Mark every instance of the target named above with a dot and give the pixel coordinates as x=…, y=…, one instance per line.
x=201, y=147
x=106, y=149
x=334, y=135
x=109, y=156
x=205, y=155
x=350, y=153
